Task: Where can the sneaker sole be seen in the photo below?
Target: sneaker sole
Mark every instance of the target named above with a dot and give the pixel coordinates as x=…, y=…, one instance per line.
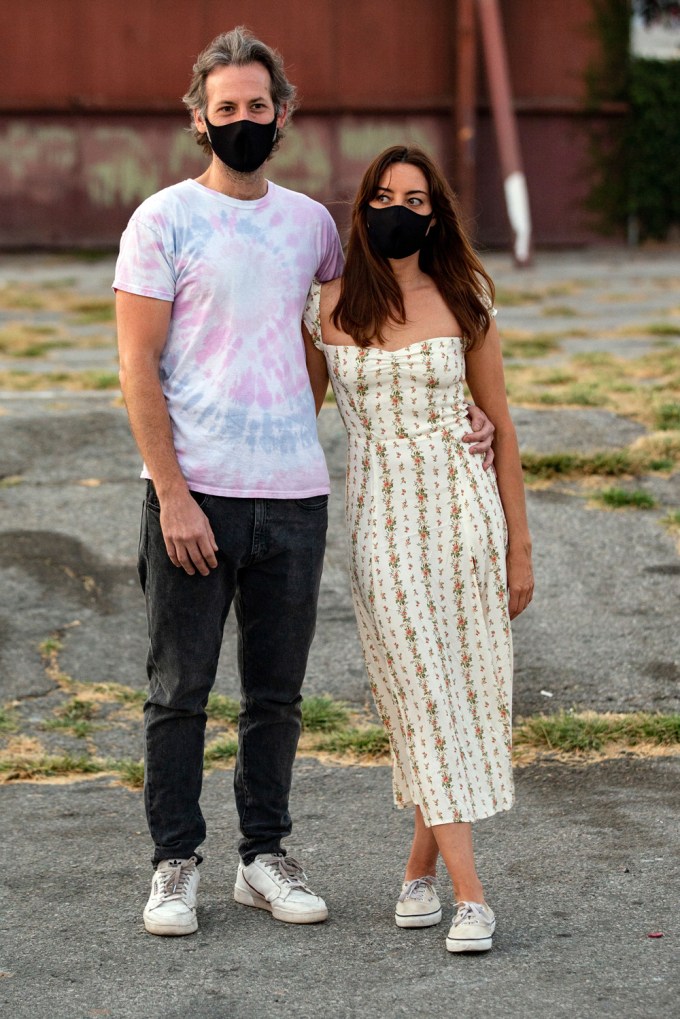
x=480, y=945
x=424, y=920
x=170, y=930
x=248, y=898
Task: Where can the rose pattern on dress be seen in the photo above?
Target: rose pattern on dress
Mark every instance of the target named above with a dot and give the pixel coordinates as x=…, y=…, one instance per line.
x=427, y=541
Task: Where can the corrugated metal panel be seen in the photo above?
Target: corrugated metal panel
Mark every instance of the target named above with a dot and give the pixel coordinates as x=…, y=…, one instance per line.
x=93, y=121
x=110, y=55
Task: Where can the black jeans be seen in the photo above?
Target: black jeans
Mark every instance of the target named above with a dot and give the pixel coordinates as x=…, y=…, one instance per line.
x=269, y=564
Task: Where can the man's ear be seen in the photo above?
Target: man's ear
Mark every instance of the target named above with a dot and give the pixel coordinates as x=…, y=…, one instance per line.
x=281, y=119
x=199, y=121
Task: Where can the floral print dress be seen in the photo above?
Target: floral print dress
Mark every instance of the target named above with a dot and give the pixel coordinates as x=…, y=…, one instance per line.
x=427, y=539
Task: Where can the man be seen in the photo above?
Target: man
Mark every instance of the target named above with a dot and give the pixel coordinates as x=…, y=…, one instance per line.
x=210, y=285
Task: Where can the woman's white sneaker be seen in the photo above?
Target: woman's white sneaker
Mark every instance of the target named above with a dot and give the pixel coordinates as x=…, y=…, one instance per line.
x=279, y=884
x=171, y=909
x=418, y=905
x=472, y=928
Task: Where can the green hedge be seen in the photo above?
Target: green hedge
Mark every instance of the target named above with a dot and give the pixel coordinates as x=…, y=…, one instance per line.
x=653, y=145
x=635, y=158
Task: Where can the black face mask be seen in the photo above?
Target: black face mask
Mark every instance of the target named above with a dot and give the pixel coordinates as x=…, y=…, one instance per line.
x=244, y=145
x=396, y=232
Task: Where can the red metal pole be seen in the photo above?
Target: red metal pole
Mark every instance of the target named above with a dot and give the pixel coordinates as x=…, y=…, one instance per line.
x=514, y=181
x=465, y=108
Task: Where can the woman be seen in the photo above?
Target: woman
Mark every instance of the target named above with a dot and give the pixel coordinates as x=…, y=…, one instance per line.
x=440, y=553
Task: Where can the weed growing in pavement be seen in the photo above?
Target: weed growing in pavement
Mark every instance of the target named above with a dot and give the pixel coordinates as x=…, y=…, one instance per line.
x=71, y=381
x=672, y=520
x=559, y=311
x=667, y=417
x=131, y=773
x=8, y=722
x=75, y=716
x=583, y=394
x=552, y=465
x=323, y=714
x=637, y=388
x=19, y=767
x=220, y=750
x=662, y=329
x=564, y=732
x=507, y=297
x=223, y=709
x=370, y=742
x=529, y=345
x=621, y=498
x=588, y=731
x=93, y=310
x=121, y=693
x=50, y=646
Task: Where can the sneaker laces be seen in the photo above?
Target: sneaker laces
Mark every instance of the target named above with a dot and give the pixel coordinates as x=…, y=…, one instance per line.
x=174, y=878
x=287, y=868
x=417, y=889
x=471, y=912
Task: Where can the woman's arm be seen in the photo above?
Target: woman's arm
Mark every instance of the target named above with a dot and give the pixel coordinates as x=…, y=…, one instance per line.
x=485, y=379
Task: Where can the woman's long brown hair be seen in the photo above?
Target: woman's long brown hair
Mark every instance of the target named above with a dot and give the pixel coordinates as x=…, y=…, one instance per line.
x=369, y=292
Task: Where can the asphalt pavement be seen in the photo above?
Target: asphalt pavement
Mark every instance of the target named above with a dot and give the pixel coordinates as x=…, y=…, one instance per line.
x=581, y=872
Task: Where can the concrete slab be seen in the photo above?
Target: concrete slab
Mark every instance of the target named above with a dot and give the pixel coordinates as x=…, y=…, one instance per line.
x=580, y=872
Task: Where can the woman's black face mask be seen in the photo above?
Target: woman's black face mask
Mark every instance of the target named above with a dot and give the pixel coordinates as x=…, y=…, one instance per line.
x=244, y=145
x=396, y=232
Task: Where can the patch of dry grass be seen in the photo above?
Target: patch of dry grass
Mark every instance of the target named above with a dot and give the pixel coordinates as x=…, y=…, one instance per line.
x=40, y=295
x=69, y=381
x=638, y=388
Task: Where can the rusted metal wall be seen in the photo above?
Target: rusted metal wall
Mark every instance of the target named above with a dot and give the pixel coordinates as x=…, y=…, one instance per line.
x=91, y=120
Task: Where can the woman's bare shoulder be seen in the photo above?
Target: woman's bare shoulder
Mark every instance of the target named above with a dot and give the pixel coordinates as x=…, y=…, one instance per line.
x=329, y=294
x=331, y=287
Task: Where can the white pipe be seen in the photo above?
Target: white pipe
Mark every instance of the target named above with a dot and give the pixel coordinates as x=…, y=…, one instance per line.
x=517, y=203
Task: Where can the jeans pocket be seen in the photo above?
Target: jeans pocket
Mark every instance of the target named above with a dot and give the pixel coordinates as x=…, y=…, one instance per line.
x=200, y=498
x=152, y=502
x=313, y=502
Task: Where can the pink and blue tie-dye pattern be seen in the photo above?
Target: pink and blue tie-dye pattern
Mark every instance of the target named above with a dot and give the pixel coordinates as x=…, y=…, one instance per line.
x=233, y=368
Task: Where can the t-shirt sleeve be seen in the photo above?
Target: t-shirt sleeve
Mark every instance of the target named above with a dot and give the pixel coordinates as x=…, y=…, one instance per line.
x=332, y=260
x=145, y=265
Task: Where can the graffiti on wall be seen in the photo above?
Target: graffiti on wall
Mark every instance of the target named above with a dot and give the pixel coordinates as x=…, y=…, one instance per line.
x=55, y=178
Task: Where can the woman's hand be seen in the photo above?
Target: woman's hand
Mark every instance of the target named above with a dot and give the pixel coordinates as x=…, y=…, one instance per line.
x=520, y=580
x=481, y=434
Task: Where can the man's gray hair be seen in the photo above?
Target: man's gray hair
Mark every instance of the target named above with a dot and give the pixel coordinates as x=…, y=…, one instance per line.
x=237, y=48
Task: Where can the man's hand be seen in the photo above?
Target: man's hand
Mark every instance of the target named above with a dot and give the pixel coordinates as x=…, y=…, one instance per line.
x=481, y=434
x=188, y=536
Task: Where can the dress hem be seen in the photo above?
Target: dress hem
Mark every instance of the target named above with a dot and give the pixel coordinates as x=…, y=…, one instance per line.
x=481, y=816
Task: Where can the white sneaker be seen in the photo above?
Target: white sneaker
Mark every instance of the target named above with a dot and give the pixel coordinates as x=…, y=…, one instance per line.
x=472, y=928
x=418, y=904
x=279, y=884
x=171, y=908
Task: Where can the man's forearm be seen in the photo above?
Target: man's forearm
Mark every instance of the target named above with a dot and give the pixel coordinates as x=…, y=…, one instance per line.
x=150, y=424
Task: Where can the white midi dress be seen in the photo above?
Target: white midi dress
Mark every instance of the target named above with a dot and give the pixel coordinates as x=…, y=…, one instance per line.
x=427, y=541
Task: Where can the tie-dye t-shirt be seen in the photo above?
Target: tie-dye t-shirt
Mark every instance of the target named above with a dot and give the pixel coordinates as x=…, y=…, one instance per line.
x=233, y=367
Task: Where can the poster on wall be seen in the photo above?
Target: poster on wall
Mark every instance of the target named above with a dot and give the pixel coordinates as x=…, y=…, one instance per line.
x=655, y=31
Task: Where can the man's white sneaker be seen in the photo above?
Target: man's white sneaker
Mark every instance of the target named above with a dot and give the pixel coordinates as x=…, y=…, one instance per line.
x=171, y=908
x=418, y=905
x=279, y=884
x=472, y=928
